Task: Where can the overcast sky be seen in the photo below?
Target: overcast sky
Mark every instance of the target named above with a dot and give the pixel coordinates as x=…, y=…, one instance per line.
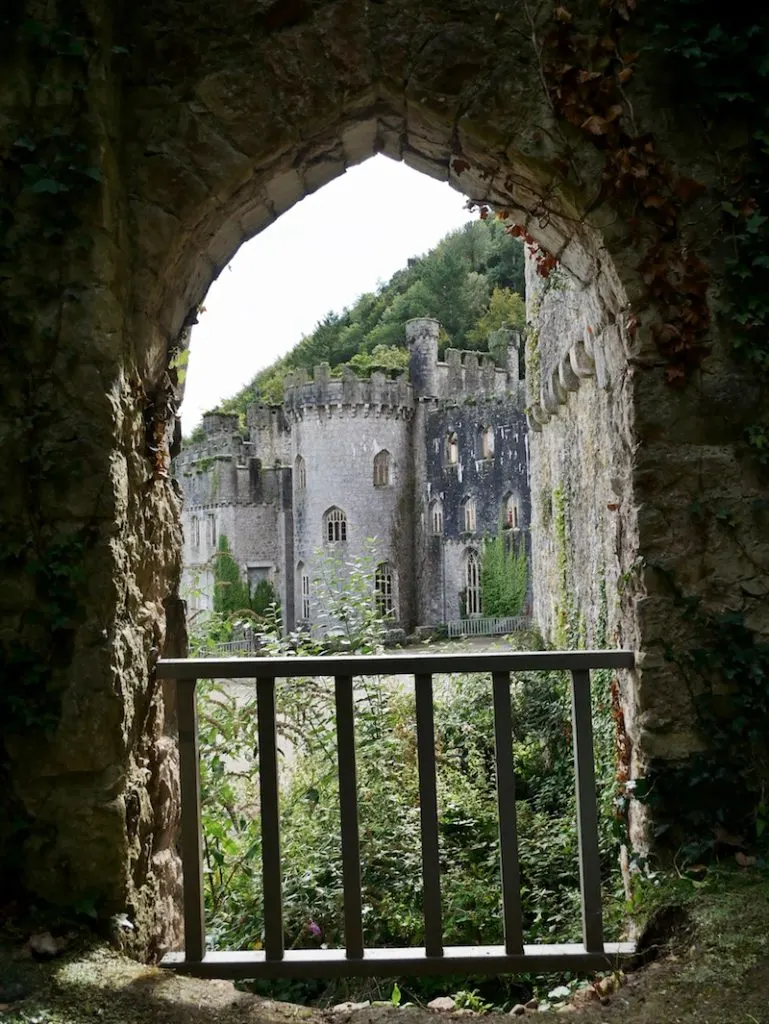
x=321, y=255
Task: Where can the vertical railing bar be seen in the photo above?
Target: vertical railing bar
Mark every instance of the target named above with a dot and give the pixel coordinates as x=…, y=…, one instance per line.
x=428, y=809
x=191, y=837
x=348, y=813
x=587, y=812
x=508, y=831
x=269, y=811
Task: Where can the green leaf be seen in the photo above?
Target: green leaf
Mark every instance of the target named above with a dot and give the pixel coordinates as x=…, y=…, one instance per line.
x=49, y=185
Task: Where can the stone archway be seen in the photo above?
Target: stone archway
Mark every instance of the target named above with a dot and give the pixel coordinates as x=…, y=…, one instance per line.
x=205, y=122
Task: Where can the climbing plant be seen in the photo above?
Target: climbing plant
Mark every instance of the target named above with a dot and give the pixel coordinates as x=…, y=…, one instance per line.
x=504, y=574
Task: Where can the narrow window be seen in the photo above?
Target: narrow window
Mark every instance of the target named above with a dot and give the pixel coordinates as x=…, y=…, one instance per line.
x=511, y=513
x=468, y=515
x=383, y=590
x=300, y=473
x=472, y=584
x=195, y=531
x=452, y=449
x=304, y=591
x=335, y=526
x=487, y=443
x=382, y=469
x=211, y=529
x=436, y=518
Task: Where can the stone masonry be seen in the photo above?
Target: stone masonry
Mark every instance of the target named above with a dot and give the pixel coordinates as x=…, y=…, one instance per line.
x=141, y=145
x=378, y=451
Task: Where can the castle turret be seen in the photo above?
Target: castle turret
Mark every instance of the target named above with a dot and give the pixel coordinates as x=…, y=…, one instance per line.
x=422, y=339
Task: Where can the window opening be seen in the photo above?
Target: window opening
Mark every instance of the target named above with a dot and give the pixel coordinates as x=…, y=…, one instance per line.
x=511, y=513
x=382, y=469
x=487, y=443
x=335, y=526
x=383, y=590
x=195, y=531
x=436, y=518
x=300, y=473
x=211, y=529
x=304, y=591
x=472, y=584
x=469, y=517
x=452, y=449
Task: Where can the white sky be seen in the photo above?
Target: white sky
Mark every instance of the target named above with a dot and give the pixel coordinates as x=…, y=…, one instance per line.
x=318, y=256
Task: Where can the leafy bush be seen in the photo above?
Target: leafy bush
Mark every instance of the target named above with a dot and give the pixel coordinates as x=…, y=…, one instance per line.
x=389, y=805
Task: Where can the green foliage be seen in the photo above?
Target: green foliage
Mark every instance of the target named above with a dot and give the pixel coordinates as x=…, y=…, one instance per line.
x=230, y=591
x=506, y=310
x=456, y=282
x=344, y=590
x=388, y=787
x=504, y=574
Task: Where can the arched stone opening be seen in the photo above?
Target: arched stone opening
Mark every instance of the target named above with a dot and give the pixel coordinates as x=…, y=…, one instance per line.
x=205, y=124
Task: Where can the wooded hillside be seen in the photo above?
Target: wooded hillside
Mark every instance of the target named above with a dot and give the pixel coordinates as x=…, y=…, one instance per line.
x=472, y=281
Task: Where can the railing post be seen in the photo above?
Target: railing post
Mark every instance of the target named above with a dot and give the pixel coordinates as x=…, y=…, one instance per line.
x=348, y=815
x=587, y=812
x=269, y=810
x=508, y=832
x=428, y=810
x=191, y=841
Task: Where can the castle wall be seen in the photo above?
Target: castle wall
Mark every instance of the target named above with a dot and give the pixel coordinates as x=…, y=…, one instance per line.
x=487, y=478
x=272, y=512
x=580, y=465
x=338, y=445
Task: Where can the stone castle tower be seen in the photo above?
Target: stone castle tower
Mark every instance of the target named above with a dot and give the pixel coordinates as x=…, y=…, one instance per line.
x=413, y=472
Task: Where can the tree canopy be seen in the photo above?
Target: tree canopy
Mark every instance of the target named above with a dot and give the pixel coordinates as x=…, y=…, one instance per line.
x=472, y=282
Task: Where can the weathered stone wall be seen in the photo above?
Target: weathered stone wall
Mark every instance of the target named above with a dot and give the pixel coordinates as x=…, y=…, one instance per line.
x=583, y=536
x=141, y=145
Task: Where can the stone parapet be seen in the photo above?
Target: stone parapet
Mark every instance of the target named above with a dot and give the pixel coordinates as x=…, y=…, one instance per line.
x=376, y=395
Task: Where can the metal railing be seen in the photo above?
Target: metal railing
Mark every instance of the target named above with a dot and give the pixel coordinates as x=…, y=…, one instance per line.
x=484, y=625
x=274, y=960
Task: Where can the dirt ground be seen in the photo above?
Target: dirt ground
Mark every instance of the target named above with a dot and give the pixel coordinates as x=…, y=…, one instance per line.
x=712, y=967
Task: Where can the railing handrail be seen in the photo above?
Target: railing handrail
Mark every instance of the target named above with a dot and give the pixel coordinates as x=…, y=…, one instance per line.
x=355, y=958
x=391, y=664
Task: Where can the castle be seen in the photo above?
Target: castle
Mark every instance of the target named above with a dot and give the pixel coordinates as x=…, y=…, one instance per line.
x=426, y=465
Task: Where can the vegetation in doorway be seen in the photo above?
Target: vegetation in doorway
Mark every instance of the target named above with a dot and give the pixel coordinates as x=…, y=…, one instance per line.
x=232, y=594
x=504, y=574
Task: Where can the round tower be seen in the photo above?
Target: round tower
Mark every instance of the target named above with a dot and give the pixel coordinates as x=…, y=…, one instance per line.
x=422, y=339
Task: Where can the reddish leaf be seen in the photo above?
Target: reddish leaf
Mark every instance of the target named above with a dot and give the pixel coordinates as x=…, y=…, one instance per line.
x=687, y=189
x=595, y=125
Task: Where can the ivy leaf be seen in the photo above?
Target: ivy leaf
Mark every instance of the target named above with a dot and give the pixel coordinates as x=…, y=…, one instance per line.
x=48, y=185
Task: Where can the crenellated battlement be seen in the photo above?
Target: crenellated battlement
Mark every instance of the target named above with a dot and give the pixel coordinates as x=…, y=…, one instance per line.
x=353, y=395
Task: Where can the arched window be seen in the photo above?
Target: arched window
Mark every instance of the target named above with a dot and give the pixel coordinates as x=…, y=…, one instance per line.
x=382, y=469
x=334, y=526
x=384, y=590
x=452, y=449
x=304, y=591
x=436, y=517
x=300, y=473
x=468, y=515
x=487, y=443
x=511, y=513
x=472, y=583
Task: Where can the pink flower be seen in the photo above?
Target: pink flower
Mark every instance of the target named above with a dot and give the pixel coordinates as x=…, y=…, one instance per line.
x=314, y=930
